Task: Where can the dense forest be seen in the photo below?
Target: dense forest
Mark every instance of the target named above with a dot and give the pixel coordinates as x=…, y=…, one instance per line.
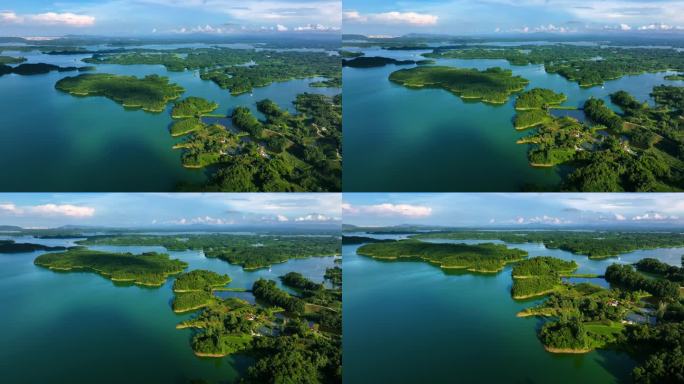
x=486, y=258
x=9, y=246
x=588, y=66
x=304, y=345
x=285, y=152
x=666, y=271
x=606, y=244
x=584, y=317
x=539, y=275
x=151, y=93
x=249, y=251
x=493, y=85
x=625, y=276
x=28, y=69
x=371, y=62
x=150, y=269
x=238, y=70
x=641, y=149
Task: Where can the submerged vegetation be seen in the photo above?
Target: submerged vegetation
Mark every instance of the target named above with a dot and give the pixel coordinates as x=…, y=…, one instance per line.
x=151, y=93
x=150, y=269
x=483, y=258
x=493, y=85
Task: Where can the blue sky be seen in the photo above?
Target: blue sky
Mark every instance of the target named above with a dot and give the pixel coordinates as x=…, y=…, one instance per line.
x=125, y=209
x=518, y=210
x=144, y=17
x=510, y=16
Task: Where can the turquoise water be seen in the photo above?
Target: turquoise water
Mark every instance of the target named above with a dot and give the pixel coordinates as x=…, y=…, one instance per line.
x=52, y=141
x=79, y=327
x=399, y=139
x=408, y=321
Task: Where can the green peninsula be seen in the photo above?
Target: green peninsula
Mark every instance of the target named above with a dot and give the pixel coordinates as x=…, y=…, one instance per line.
x=149, y=269
x=192, y=107
x=194, y=289
x=151, y=93
x=539, y=276
x=493, y=85
x=482, y=258
x=11, y=60
x=9, y=246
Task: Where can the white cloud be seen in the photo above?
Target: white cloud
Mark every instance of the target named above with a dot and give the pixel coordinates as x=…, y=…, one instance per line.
x=70, y=19
x=410, y=18
x=9, y=208
x=353, y=16
x=282, y=218
x=619, y=217
x=62, y=210
x=47, y=210
x=48, y=18
x=265, y=11
x=314, y=217
x=207, y=220
x=654, y=216
x=389, y=209
x=281, y=28
x=544, y=219
x=9, y=17
x=625, y=27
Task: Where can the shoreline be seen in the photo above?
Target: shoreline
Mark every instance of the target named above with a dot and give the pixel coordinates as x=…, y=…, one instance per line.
x=568, y=350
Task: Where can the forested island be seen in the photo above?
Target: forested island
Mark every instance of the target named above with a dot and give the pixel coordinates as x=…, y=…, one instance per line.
x=248, y=251
x=532, y=107
x=28, y=69
x=151, y=93
x=588, y=66
x=9, y=246
x=307, y=337
x=480, y=258
x=149, y=269
x=11, y=60
x=237, y=70
x=493, y=85
x=594, y=244
x=194, y=289
x=285, y=152
x=377, y=61
x=584, y=317
x=539, y=276
x=641, y=149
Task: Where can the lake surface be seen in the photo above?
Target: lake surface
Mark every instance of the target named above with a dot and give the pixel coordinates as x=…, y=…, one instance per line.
x=406, y=321
x=79, y=327
x=404, y=140
x=53, y=141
